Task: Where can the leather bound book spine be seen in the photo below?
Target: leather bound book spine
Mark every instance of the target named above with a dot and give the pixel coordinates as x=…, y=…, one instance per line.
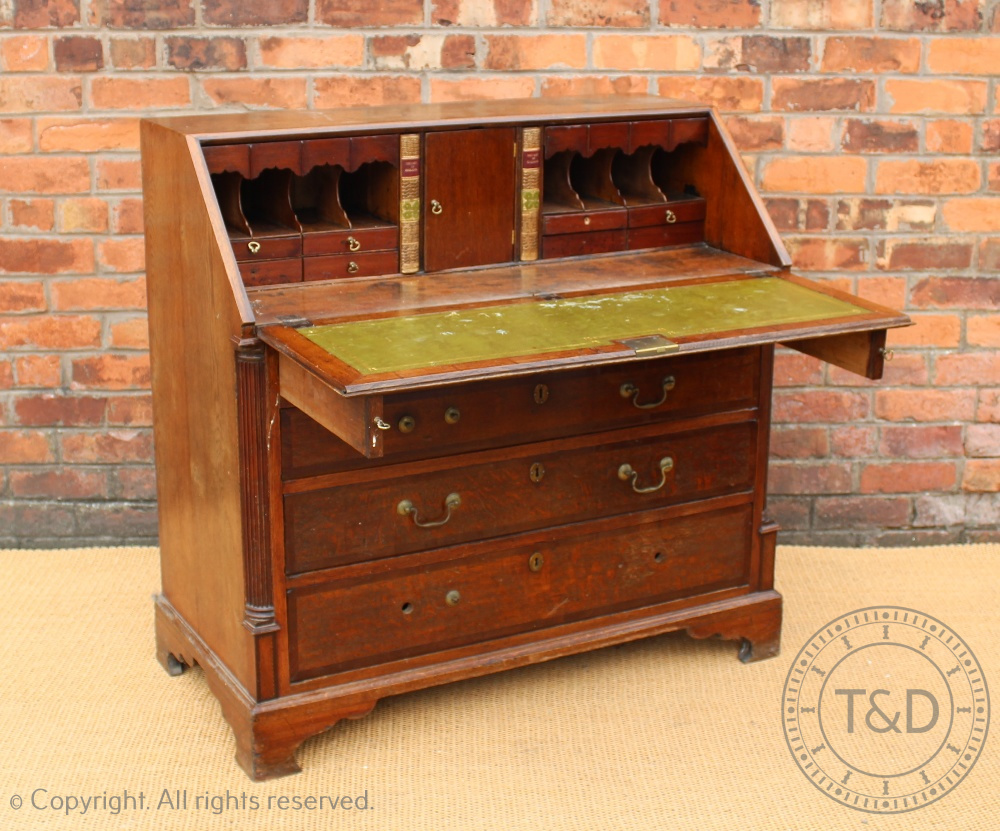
x=409, y=203
x=531, y=194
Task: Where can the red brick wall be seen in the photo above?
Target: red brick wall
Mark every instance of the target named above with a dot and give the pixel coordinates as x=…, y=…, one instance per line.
x=872, y=127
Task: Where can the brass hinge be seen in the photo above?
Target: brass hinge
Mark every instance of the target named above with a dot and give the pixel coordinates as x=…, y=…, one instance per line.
x=293, y=321
x=651, y=345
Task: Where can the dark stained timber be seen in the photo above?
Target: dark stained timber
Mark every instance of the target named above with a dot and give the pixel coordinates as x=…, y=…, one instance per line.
x=441, y=390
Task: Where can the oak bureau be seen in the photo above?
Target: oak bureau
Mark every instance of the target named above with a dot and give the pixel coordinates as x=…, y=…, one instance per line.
x=441, y=390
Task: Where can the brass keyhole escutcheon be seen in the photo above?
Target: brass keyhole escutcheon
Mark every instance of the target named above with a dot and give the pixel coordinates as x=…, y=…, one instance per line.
x=407, y=424
x=353, y=244
x=436, y=208
x=452, y=415
x=352, y=267
x=541, y=394
x=537, y=472
x=452, y=598
x=253, y=246
x=536, y=561
x=671, y=217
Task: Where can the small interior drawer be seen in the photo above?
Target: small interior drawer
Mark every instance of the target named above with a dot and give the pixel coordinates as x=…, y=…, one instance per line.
x=417, y=506
x=490, y=591
x=271, y=272
x=576, y=245
x=656, y=236
x=667, y=213
x=576, y=222
x=361, y=264
x=350, y=241
x=268, y=247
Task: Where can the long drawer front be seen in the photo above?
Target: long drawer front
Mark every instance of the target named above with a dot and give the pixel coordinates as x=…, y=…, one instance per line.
x=413, y=507
x=488, y=591
x=465, y=417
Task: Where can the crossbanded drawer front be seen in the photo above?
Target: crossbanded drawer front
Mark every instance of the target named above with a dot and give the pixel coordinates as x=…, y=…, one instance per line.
x=457, y=419
x=409, y=508
x=496, y=591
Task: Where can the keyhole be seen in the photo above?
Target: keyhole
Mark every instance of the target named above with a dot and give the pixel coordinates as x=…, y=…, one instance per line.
x=658, y=556
x=406, y=608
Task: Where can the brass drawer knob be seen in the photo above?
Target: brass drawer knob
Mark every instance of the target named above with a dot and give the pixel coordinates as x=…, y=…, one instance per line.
x=452, y=598
x=353, y=244
x=629, y=390
x=407, y=424
x=407, y=508
x=452, y=415
x=536, y=561
x=627, y=472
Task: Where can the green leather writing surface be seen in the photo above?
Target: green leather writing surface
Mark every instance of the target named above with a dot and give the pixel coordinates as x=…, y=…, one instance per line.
x=538, y=327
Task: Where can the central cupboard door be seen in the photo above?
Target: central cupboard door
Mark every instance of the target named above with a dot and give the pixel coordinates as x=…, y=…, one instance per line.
x=469, y=198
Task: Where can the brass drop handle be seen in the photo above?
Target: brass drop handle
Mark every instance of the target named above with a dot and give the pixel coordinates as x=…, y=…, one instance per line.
x=353, y=244
x=382, y=424
x=626, y=472
x=887, y=354
x=352, y=267
x=671, y=217
x=629, y=390
x=436, y=208
x=254, y=246
x=407, y=508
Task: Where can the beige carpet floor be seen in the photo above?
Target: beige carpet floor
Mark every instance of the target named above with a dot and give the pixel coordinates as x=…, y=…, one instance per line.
x=666, y=733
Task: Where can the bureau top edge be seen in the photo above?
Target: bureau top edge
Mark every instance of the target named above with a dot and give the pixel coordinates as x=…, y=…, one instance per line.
x=218, y=128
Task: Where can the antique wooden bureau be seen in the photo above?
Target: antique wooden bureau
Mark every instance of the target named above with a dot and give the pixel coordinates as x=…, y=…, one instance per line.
x=443, y=390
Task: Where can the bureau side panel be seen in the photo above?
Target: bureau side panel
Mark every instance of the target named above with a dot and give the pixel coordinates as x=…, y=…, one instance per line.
x=193, y=315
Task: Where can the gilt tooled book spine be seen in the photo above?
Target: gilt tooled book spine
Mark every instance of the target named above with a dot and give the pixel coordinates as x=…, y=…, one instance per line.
x=531, y=195
x=409, y=204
